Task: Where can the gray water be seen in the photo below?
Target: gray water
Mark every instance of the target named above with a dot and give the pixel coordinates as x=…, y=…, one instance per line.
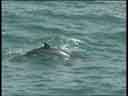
x=92, y=32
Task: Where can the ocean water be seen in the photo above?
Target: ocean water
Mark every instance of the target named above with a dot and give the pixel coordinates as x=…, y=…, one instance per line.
x=93, y=34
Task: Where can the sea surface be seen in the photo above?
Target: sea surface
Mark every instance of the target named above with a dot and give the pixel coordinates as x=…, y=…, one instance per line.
x=92, y=32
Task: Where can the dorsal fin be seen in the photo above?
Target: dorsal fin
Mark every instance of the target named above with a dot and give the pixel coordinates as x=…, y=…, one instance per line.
x=46, y=46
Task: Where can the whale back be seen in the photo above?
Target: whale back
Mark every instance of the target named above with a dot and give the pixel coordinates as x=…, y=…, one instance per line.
x=49, y=51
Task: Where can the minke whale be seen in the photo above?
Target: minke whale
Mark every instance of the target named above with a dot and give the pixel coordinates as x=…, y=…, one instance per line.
x=46, y=49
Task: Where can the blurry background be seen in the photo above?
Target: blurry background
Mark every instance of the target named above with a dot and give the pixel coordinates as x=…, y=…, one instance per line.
x=96, y=29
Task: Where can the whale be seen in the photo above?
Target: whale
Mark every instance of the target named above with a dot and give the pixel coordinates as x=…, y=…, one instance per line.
x=49, y=51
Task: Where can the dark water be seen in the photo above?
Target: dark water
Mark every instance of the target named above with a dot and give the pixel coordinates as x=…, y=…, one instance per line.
x=92, y=32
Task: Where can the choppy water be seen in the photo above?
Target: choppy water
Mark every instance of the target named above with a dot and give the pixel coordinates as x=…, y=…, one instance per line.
x=93, y=31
